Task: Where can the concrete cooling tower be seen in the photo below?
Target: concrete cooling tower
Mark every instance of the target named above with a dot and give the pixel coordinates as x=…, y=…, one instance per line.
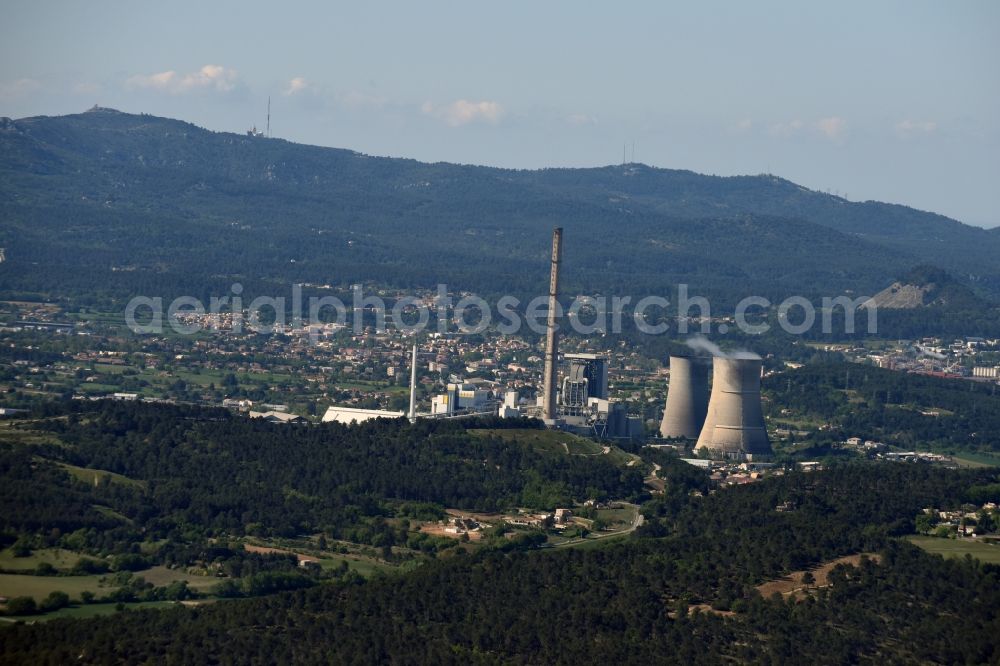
x=687, y=398
x=734, y=426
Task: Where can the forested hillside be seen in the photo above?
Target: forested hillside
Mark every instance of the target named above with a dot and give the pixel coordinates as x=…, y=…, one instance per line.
x=910, y=410
x=207, y=473
x=105, y=205
x=684, y=591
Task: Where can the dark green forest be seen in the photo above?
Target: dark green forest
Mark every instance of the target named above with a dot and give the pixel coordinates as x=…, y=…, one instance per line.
x=909, y=410
x=631, y=602
x=201, y=473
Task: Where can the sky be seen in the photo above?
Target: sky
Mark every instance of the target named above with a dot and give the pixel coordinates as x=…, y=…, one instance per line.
x=892, y=101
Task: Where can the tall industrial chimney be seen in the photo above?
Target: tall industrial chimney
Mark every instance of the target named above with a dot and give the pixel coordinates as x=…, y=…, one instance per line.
x=734, y=426
x=413, y=385
x=549, y=377
x=687, y=398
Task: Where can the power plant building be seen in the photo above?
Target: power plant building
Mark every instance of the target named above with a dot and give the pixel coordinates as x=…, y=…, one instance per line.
x=349, y=415
x=586, y=378
x=581, y=402
x=460, y=397
x=734, y=425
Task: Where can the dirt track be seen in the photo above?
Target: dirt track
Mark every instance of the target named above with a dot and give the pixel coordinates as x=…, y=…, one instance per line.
x=792, y=585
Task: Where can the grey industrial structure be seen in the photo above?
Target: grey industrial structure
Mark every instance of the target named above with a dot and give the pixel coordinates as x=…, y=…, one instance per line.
x=586, y=378
x=549, y=377
x=583, y=403
x=687, y=398
x=734, y=425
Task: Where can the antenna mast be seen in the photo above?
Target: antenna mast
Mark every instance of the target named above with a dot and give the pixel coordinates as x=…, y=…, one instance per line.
x=268, y=116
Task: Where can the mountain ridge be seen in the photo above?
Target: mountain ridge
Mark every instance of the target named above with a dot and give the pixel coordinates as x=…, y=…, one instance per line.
x=140, y=191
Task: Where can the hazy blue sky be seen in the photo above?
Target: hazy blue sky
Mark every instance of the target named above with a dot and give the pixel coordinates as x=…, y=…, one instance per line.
x=896, y=101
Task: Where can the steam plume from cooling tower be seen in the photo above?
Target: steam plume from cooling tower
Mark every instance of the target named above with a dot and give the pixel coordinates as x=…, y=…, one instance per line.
x=702, y=344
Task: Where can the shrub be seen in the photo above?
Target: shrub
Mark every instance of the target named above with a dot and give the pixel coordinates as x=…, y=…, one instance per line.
x=87, y=566
x=45, y=569
x=130, y=562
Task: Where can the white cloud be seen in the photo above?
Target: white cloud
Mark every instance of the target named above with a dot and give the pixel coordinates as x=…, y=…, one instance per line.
x=744, y=125
x=18, y=88
x=909, y=127
x=210, y=77
x=832, y=127
x=462, y=112
x=296, y=85
x=581, y=119
x=786, y=129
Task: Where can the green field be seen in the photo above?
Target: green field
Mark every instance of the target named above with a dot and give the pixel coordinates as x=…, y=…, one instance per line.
x=554, y=441
x=161, y=576
x=88, y=475
x=592, y=541
x=87, y=610
x=622, y=515
x=11, y=433
x=39, y=587
x=57, y=557
x=93, y=387
x=109, y=369
x=958, y=548
x=363, y=567
x=977, y=460
x=357, y=562
x=546, y=441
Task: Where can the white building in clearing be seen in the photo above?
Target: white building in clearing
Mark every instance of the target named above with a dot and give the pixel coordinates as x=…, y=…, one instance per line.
x=357, y=415
x=277, y=417
x=463, y=396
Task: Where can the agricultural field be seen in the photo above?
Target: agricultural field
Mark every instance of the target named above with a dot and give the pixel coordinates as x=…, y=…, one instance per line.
x=161, y=576
x=359, y=563
x=57, y=557
x=88, y=475
x=970, y=459
x=81, y=611
x=13, y=432
x=39, y=587
x=958, y=548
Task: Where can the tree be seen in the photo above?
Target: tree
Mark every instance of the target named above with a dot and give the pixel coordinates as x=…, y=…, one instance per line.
x=45, y=569
x=21, y=606
x=21, y=548
x=924, y=523
x=56, y=600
